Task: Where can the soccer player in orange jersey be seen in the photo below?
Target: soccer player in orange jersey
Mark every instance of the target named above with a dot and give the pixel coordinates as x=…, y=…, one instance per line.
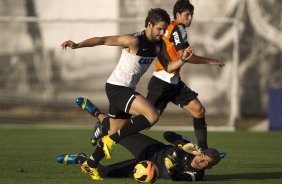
x=166, y=85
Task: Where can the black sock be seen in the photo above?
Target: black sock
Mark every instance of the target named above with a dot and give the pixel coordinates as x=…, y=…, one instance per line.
x=80, y=159
x=96, y=112
x=106, y=125
x=135, y=125
x=98, y=155
x=201, y=132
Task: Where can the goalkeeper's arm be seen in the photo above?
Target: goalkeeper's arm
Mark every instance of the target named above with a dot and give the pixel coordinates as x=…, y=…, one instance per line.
x=171, y=162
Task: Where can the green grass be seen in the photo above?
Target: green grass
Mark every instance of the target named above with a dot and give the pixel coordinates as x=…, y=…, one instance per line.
x=28, y=156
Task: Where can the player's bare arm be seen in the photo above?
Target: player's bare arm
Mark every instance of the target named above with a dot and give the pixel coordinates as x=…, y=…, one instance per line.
x=184, y=57
x=203, y=60
x=127, y=41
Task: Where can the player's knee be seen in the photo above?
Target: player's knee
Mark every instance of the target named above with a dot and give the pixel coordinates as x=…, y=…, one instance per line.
x=200, y=112
x=153, y=117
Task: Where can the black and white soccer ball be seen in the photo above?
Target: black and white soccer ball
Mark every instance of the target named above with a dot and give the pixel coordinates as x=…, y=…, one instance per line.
x=146, y=172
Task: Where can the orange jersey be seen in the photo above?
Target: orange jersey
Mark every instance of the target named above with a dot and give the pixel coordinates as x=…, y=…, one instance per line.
x=174, y=39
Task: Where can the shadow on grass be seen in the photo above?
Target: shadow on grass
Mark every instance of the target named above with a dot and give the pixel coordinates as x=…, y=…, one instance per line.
x=245, y=176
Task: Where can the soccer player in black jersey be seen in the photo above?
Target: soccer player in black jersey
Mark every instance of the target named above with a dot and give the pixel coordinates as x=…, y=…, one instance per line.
x=176, y=161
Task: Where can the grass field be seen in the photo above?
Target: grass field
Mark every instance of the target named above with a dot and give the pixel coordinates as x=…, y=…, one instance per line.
x=28, y=156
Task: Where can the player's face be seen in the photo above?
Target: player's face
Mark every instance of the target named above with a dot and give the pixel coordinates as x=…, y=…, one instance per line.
x=201, y=162
x=185, y=18
x=157, y=31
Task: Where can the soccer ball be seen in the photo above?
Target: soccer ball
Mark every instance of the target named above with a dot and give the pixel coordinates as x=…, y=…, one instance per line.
x=145, y=172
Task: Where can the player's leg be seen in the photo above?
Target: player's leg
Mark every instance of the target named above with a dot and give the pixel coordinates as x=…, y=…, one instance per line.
x=122, y=169
x=90, y=166
x=200, y=126
x=80, y=158
x=96, y=156
x=175, y=138
x=126, y=102
x=141, y=106
x=146, y=145
x=188, y=100
x=68, y=159
x=100, y=130
x=146, y=116
x=90, y=171
x=93, y=110
x=146, y=148
x=94, y=160
x=159, y=93
x=114, y=134
x=156, y=95
x=87, y=105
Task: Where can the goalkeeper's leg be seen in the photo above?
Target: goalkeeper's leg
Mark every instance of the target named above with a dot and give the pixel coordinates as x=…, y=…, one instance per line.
x=122, y=169
x=68, y=159
x=175, y=138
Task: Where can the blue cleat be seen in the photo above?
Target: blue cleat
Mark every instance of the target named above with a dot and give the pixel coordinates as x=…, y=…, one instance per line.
x=97, y=133
x=70, y=159
x=85, y=104
x=222, y=154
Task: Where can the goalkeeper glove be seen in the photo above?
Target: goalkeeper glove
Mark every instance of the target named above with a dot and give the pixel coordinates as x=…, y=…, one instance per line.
x=190, y=148
x=171, y=162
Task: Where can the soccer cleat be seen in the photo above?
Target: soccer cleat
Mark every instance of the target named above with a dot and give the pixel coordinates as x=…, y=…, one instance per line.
x=108, y=146
x=70, y=159
x=92, y=172
x=97, y=133
x=85, y=104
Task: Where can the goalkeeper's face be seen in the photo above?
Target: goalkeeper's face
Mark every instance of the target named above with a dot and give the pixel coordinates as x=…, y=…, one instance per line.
x=208, y=158
x=201, y=162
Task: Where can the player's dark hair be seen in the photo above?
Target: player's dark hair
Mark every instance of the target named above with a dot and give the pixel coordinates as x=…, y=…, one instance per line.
x=156, y=15
x=182, y=6
x=214, y=154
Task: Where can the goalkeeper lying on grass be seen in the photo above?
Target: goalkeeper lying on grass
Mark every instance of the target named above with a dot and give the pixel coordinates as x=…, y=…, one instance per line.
x=182, y=161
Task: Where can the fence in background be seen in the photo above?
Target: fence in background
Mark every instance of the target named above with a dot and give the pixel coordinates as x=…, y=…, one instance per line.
x=39, y=81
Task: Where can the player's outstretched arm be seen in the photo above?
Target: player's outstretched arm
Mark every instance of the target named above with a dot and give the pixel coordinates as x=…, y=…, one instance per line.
x=183, y=58
x=203, y=60
x=120, y=40
x=69, y=44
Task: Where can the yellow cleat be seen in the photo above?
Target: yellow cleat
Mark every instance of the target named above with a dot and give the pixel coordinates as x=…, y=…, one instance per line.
x=108, y=146
x=92, y=172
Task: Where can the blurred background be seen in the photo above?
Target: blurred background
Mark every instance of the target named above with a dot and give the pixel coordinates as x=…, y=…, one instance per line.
x=39, y=81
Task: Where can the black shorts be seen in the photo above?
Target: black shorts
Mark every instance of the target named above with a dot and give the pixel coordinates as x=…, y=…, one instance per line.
x=160, y=93
x=120, y=100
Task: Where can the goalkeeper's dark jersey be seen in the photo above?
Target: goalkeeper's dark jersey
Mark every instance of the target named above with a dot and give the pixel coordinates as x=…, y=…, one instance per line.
x=147, y=148
x=183, y=170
